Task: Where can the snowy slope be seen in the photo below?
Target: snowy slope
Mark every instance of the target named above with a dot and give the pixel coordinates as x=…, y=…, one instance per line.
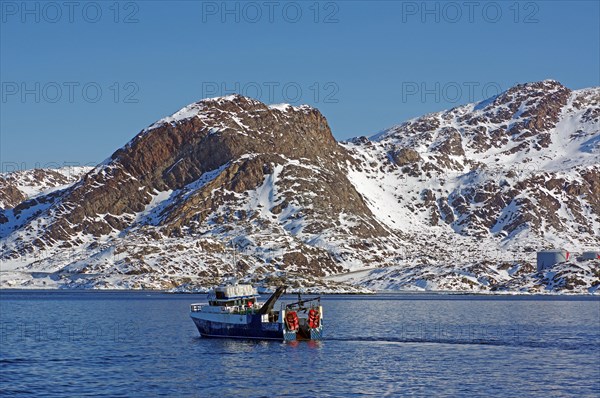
x=473, y=191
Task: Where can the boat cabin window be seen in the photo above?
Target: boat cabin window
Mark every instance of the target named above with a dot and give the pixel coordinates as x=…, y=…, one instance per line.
x=250, y=302
x=230, y=303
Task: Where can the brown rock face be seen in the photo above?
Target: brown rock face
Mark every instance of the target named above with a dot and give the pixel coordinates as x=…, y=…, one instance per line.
x=172, y=155
x=405, y=156
x=450, y=143
x=10, y=195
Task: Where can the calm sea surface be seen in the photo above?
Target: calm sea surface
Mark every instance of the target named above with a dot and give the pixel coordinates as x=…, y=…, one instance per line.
x=65, y=343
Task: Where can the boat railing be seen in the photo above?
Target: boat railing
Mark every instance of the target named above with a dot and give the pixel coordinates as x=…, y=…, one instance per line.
x=237, y=309
x=300, y=304
x=242, y=309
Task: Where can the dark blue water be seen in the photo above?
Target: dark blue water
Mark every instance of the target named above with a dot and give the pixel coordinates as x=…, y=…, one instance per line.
x=65, y=343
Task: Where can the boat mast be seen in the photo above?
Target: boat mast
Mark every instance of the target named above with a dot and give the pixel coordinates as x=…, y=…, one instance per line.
x=235, y=268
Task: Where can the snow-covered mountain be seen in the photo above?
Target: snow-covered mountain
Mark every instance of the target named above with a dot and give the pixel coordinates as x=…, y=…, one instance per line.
x=457, y=200
x=478, y=189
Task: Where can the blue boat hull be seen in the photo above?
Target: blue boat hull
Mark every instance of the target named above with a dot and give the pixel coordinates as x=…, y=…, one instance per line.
x=253, y=329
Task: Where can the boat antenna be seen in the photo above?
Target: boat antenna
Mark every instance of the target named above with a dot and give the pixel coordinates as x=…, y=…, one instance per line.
x=235, y=267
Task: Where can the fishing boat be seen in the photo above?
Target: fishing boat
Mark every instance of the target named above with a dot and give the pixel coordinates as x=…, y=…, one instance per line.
x=233, y=311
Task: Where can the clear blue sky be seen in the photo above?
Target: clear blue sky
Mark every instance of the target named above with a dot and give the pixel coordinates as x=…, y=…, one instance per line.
x=365, y=65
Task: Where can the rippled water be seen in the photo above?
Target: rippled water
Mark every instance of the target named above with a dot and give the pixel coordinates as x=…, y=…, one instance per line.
x=65, y=343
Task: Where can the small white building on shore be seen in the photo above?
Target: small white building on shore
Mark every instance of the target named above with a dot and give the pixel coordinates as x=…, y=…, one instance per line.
x=590, y=255
x=548, y=258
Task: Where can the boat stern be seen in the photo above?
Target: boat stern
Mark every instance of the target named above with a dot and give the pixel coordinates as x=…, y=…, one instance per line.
x=303, y=328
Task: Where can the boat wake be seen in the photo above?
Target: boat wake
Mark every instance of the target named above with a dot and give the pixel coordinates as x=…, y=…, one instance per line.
x=501, y=343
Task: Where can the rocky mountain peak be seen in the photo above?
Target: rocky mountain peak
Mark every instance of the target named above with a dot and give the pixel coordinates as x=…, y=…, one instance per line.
x=210, y=133
x=521, y=119
x=215, y=163
x=526, y=109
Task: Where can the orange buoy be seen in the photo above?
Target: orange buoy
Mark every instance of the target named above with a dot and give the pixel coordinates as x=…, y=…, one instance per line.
x=313, y=318
x=291, y=320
